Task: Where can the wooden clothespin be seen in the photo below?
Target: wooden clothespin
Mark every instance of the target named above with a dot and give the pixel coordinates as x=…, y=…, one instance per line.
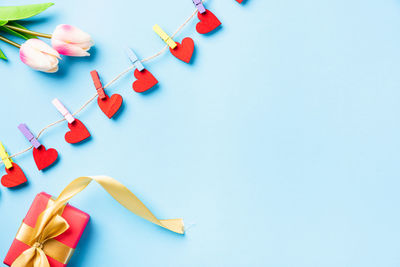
x=134, y=59
x=43, y=157
x=5, y=157
x=164, y=36
x=78, y=131
x=97, y=84
x=199, y=5
x=109, y=105
x=28, y=134
x=63, y=110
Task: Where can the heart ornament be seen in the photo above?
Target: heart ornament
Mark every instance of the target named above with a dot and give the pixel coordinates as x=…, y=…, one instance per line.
x=184, y=50
x=14, y=177
x=43, y=157
x=110, y=105
x=208, y=22
x=145, y=81
x=77, y=133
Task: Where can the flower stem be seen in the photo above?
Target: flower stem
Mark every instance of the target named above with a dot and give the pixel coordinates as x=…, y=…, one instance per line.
x=9, y=42
x=28, y=31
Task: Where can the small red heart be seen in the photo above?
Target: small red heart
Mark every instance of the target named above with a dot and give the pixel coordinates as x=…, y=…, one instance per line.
x=184, y=51
x=77, y=133
x=208, y=22
x=110, y=105
x=44, y=157
x=14, y=177
x=145, y=80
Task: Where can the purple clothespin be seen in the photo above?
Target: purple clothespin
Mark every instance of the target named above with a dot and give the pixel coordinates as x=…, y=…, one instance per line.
x=28, y=134
x=199, y=5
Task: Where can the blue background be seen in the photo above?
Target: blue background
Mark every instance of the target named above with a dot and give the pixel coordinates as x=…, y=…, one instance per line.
x=279, y=145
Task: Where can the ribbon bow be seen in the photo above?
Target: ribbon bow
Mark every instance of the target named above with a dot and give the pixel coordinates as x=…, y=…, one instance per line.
x=50, y=224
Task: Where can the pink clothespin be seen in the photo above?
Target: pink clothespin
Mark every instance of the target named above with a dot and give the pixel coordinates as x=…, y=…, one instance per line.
x=97, y=84
x=78, y=131
x=28, y=134
x=63, y=110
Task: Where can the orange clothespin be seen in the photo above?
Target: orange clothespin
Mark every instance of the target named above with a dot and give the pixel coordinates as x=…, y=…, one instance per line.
x=97, y=84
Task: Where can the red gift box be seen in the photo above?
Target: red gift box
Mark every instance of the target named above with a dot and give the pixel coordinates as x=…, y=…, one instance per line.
x=76, y=219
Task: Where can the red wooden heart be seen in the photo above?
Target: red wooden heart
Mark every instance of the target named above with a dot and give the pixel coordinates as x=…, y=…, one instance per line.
x=184, y=51
x=208, y=22
x=145, y=80
x=44, y=157
x=110, y=105
x=14, y=177
x=77, y=133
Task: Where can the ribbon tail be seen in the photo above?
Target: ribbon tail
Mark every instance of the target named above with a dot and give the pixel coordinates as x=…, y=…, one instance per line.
x=41, y=260
x=175, y=225
x=32, y=257
x=121, y=194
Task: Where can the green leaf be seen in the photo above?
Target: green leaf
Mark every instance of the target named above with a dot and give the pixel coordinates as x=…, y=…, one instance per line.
x=12, y=32
x=27, y=35
x=3, y=22
x=2, y=56
x=22, y=12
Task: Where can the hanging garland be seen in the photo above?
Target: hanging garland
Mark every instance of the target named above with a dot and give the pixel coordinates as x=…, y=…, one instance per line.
x=109, y=105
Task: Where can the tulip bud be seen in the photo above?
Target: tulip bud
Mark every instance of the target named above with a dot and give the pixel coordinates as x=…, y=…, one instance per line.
x=39, y=56
x=71, y=41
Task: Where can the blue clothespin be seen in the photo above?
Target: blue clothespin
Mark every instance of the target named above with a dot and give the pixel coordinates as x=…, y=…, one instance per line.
x=134, y=59
x=199, y=5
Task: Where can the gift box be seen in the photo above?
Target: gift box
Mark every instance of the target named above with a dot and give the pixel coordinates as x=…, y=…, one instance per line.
x=58, y=250
x=51, y=230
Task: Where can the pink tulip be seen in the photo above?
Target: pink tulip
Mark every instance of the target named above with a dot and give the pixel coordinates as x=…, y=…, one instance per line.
x=39, y=56
x=71, y=41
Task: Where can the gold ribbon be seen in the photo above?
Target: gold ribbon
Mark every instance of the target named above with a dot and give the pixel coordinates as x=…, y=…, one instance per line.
x=52, y=248
x=50, y=224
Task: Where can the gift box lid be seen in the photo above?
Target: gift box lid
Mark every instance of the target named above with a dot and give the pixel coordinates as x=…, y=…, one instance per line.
x=76, y=219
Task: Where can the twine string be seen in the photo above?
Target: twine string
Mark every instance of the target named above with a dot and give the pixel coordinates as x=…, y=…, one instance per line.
x=116, y=78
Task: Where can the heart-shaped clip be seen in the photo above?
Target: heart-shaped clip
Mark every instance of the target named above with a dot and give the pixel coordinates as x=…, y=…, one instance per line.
x=109, y=105
x=144, y=79
x=43, y=157
x=78, y=131
x=15, y=176
x=183, y=51
x=208, y=21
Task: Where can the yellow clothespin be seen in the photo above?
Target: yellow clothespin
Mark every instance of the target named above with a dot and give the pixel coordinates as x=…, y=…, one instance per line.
x=5, y=157
x=166, y=38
